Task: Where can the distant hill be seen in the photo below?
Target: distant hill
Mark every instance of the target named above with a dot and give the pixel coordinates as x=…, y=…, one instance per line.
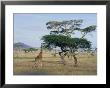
x=21, y=45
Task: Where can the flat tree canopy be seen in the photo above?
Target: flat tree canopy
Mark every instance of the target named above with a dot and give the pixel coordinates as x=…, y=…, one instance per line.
x=65, y=42
x=69, y=27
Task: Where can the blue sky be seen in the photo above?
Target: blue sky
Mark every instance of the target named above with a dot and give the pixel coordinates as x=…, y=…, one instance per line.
x=29, y=28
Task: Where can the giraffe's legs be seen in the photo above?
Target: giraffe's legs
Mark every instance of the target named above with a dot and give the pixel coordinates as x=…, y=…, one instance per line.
x=38, y=63
x=63, y=61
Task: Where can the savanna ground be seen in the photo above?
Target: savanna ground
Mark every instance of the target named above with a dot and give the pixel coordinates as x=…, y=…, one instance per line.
x=23, y=64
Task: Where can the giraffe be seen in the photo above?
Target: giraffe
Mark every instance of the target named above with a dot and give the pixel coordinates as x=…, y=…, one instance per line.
x=70, y=54
x=38, y=59
x=39, y=56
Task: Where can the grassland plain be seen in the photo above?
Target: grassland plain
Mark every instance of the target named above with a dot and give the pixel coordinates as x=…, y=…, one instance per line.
x=23, y=64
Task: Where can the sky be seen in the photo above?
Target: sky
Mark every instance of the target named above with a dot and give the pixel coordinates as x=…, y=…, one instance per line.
x=30, y=27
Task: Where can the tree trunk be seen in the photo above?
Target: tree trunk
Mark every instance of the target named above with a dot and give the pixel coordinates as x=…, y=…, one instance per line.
x=62, y=58
x=55, y=53
x=75, y=60
x=62, y=55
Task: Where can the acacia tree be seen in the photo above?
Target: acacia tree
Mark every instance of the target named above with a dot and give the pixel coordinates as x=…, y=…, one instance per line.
x=60, y=36
x=64, y=27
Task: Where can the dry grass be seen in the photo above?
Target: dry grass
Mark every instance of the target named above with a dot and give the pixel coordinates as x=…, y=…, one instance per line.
x=25, y=65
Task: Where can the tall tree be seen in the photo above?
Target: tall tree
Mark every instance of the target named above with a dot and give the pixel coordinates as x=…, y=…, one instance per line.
x=60, y=36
